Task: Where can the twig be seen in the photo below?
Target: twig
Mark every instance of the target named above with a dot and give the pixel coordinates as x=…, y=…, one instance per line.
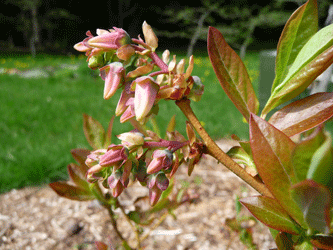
x=162, y=218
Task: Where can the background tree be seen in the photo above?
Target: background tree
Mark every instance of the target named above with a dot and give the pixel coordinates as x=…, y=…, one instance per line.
x=236, y=20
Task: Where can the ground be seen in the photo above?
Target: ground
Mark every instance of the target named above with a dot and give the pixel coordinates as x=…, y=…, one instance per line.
x=36, y=218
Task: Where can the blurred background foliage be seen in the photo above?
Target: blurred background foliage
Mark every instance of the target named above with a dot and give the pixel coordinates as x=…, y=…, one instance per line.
x=54, y=26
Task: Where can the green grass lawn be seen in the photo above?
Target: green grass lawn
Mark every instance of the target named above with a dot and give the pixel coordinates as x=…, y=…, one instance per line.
x=42, y=117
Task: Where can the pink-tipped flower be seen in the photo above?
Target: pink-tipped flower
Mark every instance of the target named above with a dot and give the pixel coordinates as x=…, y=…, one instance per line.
x=110, y=40
x=162, y=159
x=113, y=75
x=115, y=156
x=145, y=94
x=157, y=184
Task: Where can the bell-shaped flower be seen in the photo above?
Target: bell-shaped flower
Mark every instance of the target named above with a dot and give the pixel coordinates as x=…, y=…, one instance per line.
x=110, y=40
x=146, y=90
x=157, y=184
x=113, y=75
x=162, y=159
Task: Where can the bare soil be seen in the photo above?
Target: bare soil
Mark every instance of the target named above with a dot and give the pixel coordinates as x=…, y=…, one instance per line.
x=36, y=218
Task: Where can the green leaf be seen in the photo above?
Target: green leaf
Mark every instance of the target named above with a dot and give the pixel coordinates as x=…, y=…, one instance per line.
x=313, y=59
x=232, y=74
x=304, y=114
x=238, y=154
x=271, y=150
x=321, y=166
x=300, y=27
x=80, y=155
x=304, y=151
x=71, y=192
x=269, y=212
x=94, y=132
x=314, y=200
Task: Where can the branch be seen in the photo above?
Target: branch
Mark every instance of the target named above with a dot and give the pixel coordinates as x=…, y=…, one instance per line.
x=214, y=150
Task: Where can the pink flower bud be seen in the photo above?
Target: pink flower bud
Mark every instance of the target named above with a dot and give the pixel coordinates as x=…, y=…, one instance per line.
x=114, y=75
x=156, y=184
x=145, y=94
x=161, y=159
x=110, y=40
x=115, y=155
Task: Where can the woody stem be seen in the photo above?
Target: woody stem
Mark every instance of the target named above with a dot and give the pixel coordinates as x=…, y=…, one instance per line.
x=214, y=150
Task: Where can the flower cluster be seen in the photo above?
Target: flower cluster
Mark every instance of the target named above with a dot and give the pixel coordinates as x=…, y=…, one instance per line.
x=149, y=159
x=133, y=66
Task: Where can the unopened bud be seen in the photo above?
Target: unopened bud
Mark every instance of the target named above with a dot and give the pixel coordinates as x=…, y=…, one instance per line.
x=150, y=37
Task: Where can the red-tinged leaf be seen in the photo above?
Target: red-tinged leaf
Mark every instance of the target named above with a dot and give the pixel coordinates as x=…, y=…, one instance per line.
x=77, y=177
x=304, y=151
x=300, y=27
x=314, y=199
x=71, y=192
x=80, y=155
x=101, y=246
x=271, y=151
x=232, y=74
x=322, y=242
x=313, y=59
x=94, y=132
x=108, y=134
x=269, y=212
x=303, y=114
x=284, y=241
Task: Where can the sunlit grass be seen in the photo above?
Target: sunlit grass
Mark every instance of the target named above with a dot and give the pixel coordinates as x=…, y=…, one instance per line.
x=42, y=117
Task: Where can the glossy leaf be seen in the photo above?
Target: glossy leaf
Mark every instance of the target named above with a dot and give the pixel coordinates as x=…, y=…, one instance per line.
x=313, y=59
x=271, y=150
x=304, y=151
x=300, y=27
x=303, y=114
x=269, y=212
x=232, y=74
x=321, y=166
x=71, y=192
x=314, y=200
x=94, y=132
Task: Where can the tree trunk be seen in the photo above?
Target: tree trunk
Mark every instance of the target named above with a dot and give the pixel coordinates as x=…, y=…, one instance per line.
x=35, y=37
x=197, y=33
